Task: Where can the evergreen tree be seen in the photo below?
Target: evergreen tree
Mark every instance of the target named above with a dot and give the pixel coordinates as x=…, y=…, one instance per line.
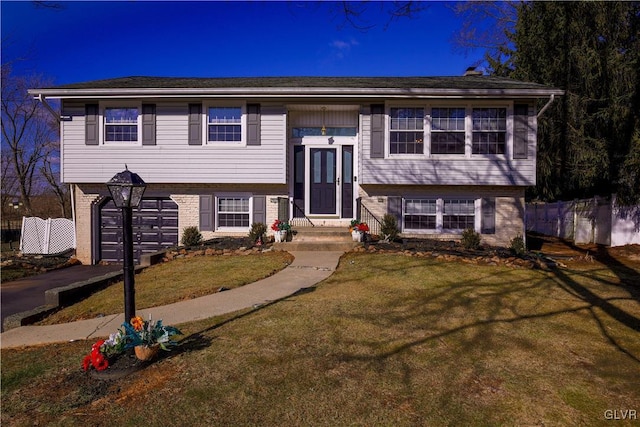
x=589, y=140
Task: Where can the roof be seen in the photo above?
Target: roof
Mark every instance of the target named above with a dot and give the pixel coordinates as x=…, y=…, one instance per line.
x=300, y=86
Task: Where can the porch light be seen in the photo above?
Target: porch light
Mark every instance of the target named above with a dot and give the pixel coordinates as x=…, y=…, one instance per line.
x=126, y=189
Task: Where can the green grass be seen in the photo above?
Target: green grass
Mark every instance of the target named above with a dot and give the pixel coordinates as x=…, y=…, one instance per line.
x=177, y=280
x=386, y=340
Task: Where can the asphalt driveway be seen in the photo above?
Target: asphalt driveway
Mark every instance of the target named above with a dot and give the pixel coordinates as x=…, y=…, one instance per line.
x=28, y=293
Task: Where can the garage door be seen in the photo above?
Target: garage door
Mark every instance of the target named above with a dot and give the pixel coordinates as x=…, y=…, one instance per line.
x=155, y=227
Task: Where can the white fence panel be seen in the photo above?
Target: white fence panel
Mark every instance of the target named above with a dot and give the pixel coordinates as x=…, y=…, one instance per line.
x=625, y=227
x=595, y=220
x=47, y=237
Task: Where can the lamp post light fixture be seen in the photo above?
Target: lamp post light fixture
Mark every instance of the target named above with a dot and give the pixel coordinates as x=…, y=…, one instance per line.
x=126, y=189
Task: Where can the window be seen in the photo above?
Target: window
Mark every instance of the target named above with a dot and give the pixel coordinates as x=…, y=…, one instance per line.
x=233, y=212
x=407, y=131
x=458, y=214
x=121, y=124
x=489, y=130
x=447, y=130
x=224, y=124
x=420, y=214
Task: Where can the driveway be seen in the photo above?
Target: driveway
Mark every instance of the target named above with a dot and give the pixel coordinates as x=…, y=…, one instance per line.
x=28, y=293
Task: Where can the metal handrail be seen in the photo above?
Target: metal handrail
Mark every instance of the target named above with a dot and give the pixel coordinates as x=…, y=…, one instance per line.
x=375, y=225
x=298, y=209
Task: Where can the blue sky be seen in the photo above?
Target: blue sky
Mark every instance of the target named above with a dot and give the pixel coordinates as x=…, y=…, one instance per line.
x=95, y=40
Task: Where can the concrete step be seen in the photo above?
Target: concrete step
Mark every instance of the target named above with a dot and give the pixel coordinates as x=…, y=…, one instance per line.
x=316, y=246
x=319, y=239
x=321, y=234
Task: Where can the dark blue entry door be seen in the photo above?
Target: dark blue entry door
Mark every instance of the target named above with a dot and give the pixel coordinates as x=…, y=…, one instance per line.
x=323, y=181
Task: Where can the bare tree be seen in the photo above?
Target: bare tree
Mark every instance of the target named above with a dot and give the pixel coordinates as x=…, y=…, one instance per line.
x=50, y=174
x=27, y=131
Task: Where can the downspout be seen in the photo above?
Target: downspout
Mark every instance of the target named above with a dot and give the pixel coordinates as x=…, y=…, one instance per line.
x=53, y=112
x=547, y=105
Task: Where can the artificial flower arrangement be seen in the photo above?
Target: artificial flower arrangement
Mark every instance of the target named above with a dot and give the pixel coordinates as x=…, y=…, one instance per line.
x=280, y=225
x=136, y=333
x=356, y=225
x=148, y=333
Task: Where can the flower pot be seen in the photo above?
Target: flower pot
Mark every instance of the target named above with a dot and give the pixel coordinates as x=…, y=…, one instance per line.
x=356, y=235
x=145, y=353
x=280, y=235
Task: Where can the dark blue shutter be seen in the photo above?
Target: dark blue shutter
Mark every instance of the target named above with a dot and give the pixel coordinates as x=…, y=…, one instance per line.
x=207, y=211
x=520, y=131
x=253, y=124
x=91, y=126
x=148, y=124
x=394, y=207
x=260, y=209
x=377, y=131
x=195, y=124
x=488, y=220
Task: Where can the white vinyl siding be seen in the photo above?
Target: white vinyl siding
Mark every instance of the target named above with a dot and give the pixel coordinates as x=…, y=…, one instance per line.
x=172, y=160
x=449, y=169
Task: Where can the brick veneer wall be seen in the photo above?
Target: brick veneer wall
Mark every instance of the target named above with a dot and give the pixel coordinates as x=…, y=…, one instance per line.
x=509, y=206
x=186, y=196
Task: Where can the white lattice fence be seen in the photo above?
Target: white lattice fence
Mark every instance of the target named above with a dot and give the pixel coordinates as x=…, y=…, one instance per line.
x=47, y=236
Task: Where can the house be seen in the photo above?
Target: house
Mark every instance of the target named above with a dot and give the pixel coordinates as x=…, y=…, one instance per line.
x=442, y=154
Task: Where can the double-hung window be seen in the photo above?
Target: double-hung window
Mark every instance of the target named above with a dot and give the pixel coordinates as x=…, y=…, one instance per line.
x=121, y=124
x=420, y=214
x=233, y=211
x=489, y=130
x=458, y=214
x=224, y=124
x=437, y=215
x=406, y=131
x=447, y=130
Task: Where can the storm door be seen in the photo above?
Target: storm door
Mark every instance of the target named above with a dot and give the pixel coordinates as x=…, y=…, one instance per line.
x=323, y=183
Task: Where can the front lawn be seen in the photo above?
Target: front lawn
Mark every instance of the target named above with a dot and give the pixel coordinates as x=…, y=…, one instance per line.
x=386, y=340
x=177, y=280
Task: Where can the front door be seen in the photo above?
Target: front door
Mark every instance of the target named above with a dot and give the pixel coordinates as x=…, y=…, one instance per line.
x=323, y=185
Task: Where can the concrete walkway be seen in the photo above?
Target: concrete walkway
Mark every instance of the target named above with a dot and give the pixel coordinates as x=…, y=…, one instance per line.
x=307, y=269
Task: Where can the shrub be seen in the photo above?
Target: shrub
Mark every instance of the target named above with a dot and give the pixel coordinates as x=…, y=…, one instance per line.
x=470, y=239
x=191, y=236
x=517, y=245
x=258, y=231
x=389, y=227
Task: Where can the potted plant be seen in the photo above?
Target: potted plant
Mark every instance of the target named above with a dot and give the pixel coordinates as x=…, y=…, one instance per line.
x=358, y=230
x=148, y=337
x=280, y=229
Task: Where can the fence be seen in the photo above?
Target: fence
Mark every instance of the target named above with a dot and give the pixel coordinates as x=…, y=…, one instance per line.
x=47, y=237
x=597, y=220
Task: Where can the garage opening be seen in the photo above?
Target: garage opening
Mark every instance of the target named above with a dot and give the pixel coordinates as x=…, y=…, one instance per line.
x=155, y=227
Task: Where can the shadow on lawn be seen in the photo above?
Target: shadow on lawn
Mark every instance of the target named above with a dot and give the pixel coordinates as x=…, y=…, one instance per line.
x=199, y=341
x=464, y=296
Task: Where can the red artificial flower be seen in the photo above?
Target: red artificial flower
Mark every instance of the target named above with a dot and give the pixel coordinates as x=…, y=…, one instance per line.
x=86, y=363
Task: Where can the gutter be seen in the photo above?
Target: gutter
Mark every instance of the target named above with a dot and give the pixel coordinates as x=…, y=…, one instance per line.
x=53, y=112
x=547, y=105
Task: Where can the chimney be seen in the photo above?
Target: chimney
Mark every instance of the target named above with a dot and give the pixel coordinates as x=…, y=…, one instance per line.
x=471, y=71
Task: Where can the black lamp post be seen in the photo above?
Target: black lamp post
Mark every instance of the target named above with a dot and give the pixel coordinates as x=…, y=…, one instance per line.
x=126, y=189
